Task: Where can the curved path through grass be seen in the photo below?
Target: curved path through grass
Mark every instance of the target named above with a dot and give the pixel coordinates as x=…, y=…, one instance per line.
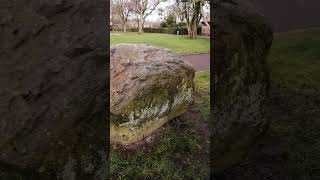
x=200, y=62
x=194, y=51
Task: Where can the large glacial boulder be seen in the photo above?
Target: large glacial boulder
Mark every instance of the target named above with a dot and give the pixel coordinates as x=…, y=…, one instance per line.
x=53, y=89
x=149, y=86
x=241, y=43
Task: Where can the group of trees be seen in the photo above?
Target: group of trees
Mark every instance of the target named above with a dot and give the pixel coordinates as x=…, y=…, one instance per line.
x=138, y=9
x=188, y=12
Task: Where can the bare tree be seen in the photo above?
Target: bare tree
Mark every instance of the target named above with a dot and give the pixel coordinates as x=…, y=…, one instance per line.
x=123, y=9
x=143, y=8
x=178, y=10
x=192, y=11
x=192, y=15
x=136, y=19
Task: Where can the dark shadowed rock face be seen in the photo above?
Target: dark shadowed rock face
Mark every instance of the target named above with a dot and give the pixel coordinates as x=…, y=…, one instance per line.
x=149, y=86
x=241, y=42
x=52, y=96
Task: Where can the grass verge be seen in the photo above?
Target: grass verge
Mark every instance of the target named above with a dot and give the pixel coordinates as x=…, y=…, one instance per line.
x=178, y=44
x=202, y=87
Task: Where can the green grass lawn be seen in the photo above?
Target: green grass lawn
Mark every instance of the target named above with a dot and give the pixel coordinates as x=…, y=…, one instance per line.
x=202, y=86
x=178, y=44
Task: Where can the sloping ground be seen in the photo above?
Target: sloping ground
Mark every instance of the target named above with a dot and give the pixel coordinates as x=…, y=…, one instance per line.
x=290, y=149
x=290, y=14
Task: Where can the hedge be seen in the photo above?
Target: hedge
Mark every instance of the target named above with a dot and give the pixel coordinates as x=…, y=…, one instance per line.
x=169, y=30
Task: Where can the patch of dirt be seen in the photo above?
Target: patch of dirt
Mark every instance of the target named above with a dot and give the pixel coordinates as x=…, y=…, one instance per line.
x=197, y=122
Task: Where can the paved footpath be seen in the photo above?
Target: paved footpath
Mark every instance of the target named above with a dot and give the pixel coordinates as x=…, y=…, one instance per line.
x=200, y=62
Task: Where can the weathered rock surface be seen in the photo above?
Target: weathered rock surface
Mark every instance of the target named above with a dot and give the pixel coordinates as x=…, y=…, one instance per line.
x=149, y=86
x=241, y=42
x=53, y=88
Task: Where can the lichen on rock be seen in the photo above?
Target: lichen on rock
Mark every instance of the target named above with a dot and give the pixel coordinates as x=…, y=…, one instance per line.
x=149, y=86
x=242, y=40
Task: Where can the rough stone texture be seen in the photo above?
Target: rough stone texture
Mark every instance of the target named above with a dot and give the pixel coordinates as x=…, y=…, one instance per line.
x=149, y=86
x=53, y=88
x=241, y=42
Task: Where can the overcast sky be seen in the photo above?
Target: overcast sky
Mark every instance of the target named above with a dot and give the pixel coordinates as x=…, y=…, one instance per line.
x=154, y=16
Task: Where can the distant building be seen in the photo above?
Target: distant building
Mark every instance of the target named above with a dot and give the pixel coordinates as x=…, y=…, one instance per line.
x=205, y=29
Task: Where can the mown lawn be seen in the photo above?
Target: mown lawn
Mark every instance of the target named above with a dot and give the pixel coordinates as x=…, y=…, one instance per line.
x=181, y=150
x=178, y=44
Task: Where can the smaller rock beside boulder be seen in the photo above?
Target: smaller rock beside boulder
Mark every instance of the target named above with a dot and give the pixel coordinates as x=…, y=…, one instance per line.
x=149, y=86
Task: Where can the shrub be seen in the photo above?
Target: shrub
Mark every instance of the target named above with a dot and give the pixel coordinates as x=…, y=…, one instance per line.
x=163, y=24
x=182, y=24
x=163, y=30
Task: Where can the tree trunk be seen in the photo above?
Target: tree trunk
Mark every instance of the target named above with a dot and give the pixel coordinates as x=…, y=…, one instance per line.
x=125, y=27
x=141, y=23
x=194, y=21
x=141, y=27
x=194, y=29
